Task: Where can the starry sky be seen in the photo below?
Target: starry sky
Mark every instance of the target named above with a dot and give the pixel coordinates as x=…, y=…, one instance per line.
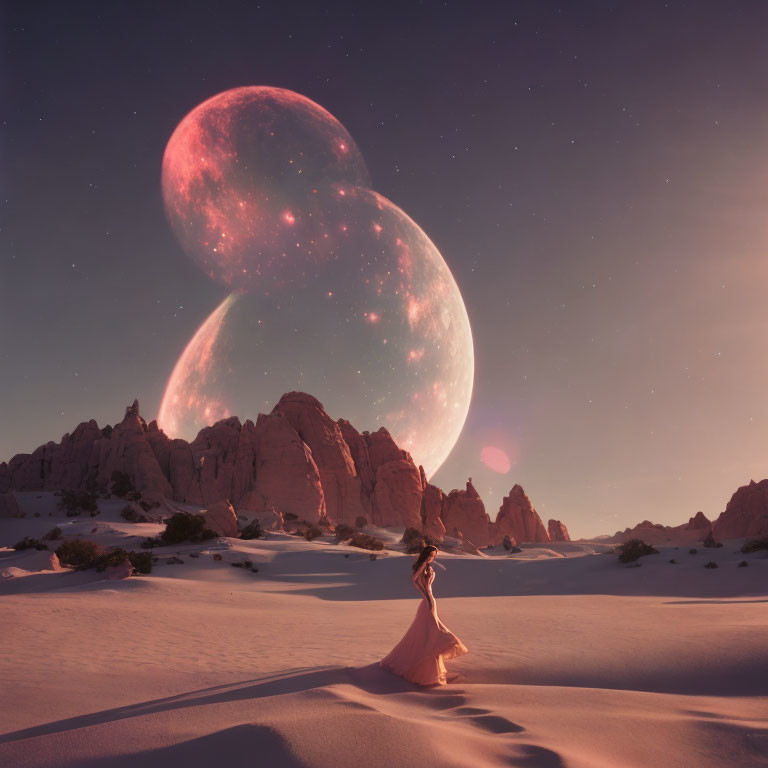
x=595, y=175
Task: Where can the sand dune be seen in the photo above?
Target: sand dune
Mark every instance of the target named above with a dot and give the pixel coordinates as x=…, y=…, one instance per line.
x=574, y=659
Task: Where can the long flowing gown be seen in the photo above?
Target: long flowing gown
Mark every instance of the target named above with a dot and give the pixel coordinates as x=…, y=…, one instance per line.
x=420, y=655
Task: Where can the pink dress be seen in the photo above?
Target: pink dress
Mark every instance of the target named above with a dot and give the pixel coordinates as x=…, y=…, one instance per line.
x=420, y=655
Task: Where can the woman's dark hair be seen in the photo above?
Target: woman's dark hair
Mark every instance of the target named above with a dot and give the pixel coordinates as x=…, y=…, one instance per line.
x=423, y=555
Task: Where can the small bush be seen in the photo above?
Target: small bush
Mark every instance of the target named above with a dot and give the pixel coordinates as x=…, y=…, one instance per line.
x=53, y=535
x=75, y=502
x=711, y=564
x=252, y=530
x=312, y=532
x=114, y=557
x=634, y=549
x=122, y=484
x=692, y=551
x=709, y=541
x=365, y=541
x=151, y=543
x=79, y=553
x=183, y=527
x=344, y=531
x=755, y=545
x=507, y=543
x=360, y=522
x=129, y=513
x=413, y=540
x=141, y=561
x=743, y=564
x=29, y=543
x=217, y=556
x=673, y=562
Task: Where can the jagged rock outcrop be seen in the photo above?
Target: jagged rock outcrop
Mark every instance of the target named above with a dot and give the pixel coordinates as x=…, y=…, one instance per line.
x=746, y=514
x=128, y=451
x=396, y=496
x=518, y=519
x=691, y=532
x=465, y=512
x=432, y=500
x=342, y=487
x=286, y=478
x=294, y=461
x=557, y=531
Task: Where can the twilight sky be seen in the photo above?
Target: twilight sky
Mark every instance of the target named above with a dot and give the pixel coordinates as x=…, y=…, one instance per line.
x=594, y=174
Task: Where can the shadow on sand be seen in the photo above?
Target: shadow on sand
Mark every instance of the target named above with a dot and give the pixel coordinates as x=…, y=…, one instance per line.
x=371, y=679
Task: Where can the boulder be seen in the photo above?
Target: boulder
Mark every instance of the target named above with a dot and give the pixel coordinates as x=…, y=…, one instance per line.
x=557, y=531
x=221, y=518
x=120, y=571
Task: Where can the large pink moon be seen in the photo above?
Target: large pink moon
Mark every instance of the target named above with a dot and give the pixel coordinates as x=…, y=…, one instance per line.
x=334, y=290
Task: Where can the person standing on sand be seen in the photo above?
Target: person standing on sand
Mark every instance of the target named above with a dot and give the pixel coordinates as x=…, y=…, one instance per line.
x=420, y=655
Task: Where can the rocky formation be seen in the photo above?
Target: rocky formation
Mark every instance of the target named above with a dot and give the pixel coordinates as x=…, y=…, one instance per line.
x=432, y=500
x=295, y=463
x=221, y=518
x=694, y=530
x=518, y=519
x=464, y=513
x=746, y=514
x=557, y=531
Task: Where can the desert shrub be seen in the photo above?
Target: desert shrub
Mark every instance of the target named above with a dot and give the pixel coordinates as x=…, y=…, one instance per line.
x=141, y=561
x=755, y=545
x=344, y=531
x=75, y=502
x=122, y=484
x=112, y=557
x=324, y=521
x=709, y=541
x=29, y=543
x=507, y=543
x=147, y=505
x=633, y=549
x=53, y=535
x=413, y=540
x=150, y=543
x=79, y=553
x=673, y=562
x=312, y=532
x=365, y=541
x=217, y=556
x=743, y=564
x=183, y=527
x=360, y=522
x=130, y=514
x=711, y=564
x=252, y=530
x=692, y=551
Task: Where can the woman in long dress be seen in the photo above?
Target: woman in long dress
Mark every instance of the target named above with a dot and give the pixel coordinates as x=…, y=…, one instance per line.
x=420, y=655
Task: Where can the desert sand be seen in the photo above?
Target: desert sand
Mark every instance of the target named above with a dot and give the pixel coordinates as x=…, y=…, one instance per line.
x=575, y=659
